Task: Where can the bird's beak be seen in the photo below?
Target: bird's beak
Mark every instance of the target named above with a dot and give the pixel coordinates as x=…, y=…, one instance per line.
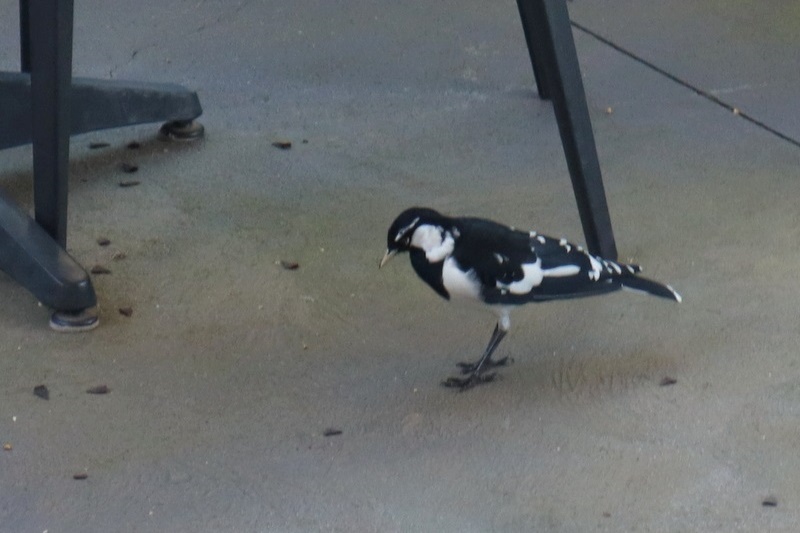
x=389, y=254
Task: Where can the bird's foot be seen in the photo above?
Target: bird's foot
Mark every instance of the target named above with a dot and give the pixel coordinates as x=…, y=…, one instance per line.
x=469, y=368
x=467, y=383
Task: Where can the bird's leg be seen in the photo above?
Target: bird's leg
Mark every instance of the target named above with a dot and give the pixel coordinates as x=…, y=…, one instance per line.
x=486, y=362
x=475, y=370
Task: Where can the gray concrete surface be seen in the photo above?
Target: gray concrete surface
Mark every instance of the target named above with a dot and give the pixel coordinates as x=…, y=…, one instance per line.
x=230, y=369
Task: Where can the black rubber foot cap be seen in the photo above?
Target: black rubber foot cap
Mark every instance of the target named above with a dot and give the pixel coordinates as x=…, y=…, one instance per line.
x=182, y=130
x=74, y=322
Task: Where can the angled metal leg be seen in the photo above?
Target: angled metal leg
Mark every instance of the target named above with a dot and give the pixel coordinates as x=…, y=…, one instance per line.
x=556, y=51
x=35, y=261
x=531, y=14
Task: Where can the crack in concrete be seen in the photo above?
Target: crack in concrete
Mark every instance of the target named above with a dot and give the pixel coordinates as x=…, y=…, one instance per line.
x=708, y=95
x=738, y=88
x=221, y=17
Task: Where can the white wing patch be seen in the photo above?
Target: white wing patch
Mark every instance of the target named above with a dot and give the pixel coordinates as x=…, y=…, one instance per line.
x=532, y=276
x=594, y=273
x=599, y=264
x=562, y=271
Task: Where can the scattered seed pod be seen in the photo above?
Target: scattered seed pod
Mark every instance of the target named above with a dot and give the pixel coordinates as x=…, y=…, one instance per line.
x=283, y=145
x=667, y=381
x=331, y=432
x=133, y=145
x=99, y=269
x=103, y=241
x=126, y=311
x=290, y=265
x=129, y=183
x=42, y=392
x=80, y=475
x=97, y=145
x=770, y=501
x=98, y=389
x=129, y=168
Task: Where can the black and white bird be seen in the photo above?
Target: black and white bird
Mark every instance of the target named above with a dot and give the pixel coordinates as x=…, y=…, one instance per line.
x=474, y=258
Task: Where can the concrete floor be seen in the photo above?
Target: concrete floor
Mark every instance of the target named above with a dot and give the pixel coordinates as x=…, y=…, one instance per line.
x=231, y=368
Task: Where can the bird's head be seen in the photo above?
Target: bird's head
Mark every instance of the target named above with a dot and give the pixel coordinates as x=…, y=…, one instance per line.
x=401, y=233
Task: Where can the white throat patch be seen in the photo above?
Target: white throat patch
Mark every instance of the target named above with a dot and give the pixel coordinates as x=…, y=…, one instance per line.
x=434, y=241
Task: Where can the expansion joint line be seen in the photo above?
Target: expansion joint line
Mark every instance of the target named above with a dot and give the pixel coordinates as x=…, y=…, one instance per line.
x=694, y=88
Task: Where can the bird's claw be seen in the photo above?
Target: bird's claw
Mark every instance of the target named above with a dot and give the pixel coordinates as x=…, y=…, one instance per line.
x=469, y=368
x=467, y=383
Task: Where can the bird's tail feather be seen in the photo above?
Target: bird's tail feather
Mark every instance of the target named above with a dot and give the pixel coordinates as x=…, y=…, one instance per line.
x=635, y=283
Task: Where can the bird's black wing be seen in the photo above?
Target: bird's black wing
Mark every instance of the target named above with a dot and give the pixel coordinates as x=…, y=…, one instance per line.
x=591, y=275
x=494, y=252
x=572, y=272
x=516, y=267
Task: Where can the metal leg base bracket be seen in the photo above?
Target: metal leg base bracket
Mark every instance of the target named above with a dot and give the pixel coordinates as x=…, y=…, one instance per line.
x=75, y=322
x=182, y=130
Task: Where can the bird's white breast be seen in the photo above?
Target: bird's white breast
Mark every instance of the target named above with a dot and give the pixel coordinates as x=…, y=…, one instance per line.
x=459, y=283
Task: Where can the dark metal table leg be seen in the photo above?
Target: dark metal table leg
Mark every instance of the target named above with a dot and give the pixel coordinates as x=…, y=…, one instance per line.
x=44, y=105
x=556, y=49
x=24, y=37
x=532, y=16
x=51, y=76
x=50, y=61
